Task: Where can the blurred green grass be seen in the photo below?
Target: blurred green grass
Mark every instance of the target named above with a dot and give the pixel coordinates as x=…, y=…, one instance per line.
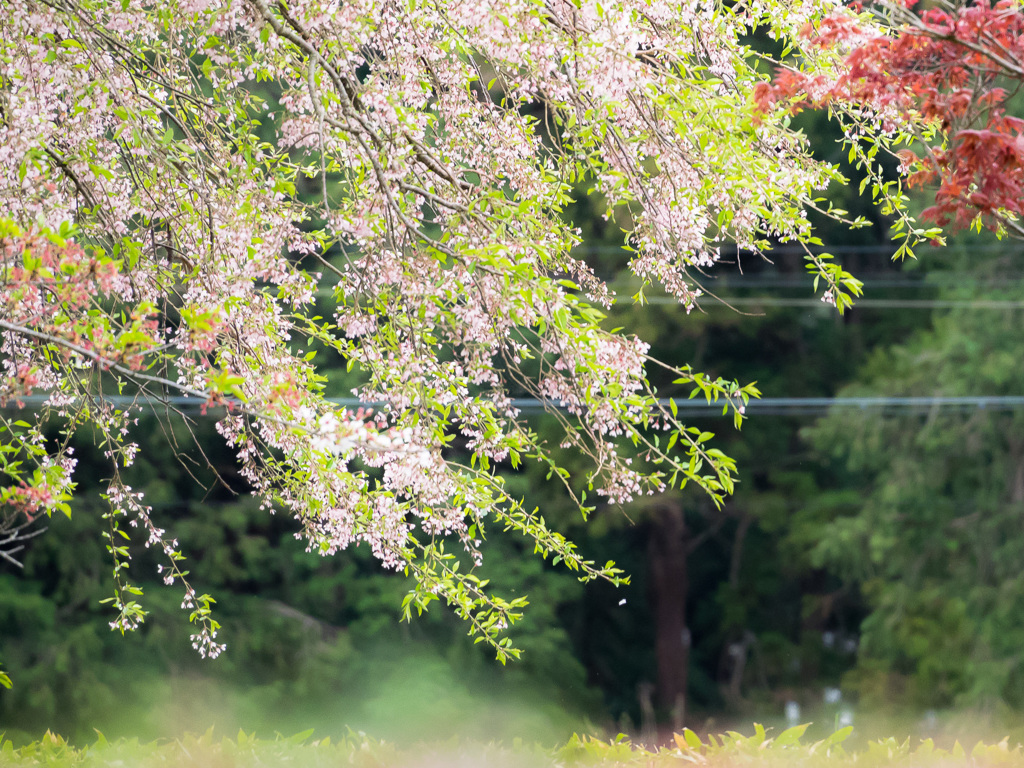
x=729, y=750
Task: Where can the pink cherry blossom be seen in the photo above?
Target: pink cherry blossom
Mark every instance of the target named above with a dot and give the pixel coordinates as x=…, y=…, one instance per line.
x=196, y=192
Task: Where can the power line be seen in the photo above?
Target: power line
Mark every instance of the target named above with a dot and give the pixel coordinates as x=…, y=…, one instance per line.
x=1005, y=246
x=781, y=301
x=775, y=301
x=901, y=280
x=765, y=406
x=915, y=281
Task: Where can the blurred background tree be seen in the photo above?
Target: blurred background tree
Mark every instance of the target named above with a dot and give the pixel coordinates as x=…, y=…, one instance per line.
x=935, y=538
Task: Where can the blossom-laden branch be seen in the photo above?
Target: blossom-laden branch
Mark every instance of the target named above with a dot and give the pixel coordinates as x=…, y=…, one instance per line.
x=158, y=237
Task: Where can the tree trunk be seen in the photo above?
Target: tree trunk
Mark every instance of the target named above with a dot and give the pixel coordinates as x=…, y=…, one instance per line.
x=667, y=550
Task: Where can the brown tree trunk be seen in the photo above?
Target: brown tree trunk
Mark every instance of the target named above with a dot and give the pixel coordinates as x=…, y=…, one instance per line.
x=667, y=551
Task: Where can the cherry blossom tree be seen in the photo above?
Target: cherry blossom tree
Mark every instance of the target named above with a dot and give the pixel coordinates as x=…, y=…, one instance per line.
x=157, y=244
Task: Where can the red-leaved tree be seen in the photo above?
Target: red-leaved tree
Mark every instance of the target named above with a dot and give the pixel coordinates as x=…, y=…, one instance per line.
x=953, y=71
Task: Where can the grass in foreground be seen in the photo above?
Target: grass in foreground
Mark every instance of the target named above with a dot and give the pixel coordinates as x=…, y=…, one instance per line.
x=730, y=750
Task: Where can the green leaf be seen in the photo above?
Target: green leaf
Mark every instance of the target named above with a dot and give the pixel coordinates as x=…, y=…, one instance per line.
x=691, y=739
x=790, y=736
x=836, y=738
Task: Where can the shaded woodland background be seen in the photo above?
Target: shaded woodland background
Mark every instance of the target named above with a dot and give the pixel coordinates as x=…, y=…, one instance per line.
x=870, y=565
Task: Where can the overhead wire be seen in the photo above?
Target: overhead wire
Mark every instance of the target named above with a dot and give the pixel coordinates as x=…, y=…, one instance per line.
x=776, y=301
x=776, y=406
x=811, y=302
